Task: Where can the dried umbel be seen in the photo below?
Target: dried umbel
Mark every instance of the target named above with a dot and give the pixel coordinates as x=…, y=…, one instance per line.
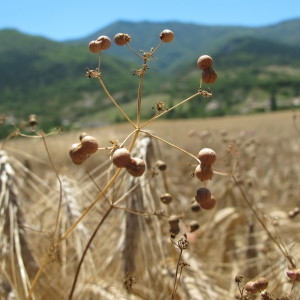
x=89, y=144
x=136, y=167
x=174, y=224
x=121, y=158
x=77, y=154
x=167, y=36
x=166, y=198
x=122, y=39
x=257, y=285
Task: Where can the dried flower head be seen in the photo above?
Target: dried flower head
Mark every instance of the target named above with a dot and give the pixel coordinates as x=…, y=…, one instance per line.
x=167, y=36
x=122, y=39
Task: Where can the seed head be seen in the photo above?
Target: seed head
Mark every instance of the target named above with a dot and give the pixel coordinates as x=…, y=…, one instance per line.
x=136, y=167
x=121, y=158
x=167, y=36
x=204, y=62
x=122, y=39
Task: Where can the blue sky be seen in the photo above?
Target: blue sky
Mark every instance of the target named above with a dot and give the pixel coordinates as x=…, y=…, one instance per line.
x=65, y=19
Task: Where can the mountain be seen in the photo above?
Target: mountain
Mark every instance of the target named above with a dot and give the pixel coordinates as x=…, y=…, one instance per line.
x=47, y=78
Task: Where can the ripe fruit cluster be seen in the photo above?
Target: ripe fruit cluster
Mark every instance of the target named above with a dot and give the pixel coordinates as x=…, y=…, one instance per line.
x=79, y=152
x=205, y=199
x=121, y=158
x=204, y=170
x=209, y=75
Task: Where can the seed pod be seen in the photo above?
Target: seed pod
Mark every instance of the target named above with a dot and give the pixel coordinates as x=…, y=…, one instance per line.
x=204, y=173
x=293, y=274
x=161, y=165
x=89, y=144
x=167, y=36
x=209, y=75
x=122, y=39
x=77, y=154
x=204, y=62
x=121, y=158
x=209, y=204
x=174, y=224
x=194, y=225
x=166, y=198
x=255, y=286
x=202, y=195
x=207, y=156
x=105, y=42
x=136, y=167
x=82, y=135
x=95, y=46
x=195, y=206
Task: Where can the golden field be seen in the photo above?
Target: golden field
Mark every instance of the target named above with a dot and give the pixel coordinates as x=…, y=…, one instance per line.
x=52, y=208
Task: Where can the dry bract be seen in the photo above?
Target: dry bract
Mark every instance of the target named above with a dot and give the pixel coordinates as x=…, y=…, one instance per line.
x=122, y=39
x=167, y=36
x=136, y=167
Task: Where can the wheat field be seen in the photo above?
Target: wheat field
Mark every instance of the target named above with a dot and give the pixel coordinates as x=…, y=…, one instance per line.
x=131, y=255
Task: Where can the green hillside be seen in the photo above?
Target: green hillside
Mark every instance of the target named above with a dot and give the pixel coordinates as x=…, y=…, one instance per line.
x=258, y=69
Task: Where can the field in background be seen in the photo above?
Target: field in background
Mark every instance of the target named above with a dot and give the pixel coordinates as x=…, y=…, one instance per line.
x=262, y=151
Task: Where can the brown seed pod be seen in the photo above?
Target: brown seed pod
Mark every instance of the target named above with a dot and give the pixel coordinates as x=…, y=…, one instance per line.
x=136, y=167
x=174, y=224
x=207, y=156
x=257, y=285
x=204, y=62
x=204, y=172
x=209, y=75
x=166, y=198
x=121, y=158
x=194, y=225
x=104, y=41
x=293, y=274
x=77, y=154
x=122, y=39
x=161, y=165
x=89, y=144
x=202, y=195
x=95, y=46
x=167, y=36
x=209, y=203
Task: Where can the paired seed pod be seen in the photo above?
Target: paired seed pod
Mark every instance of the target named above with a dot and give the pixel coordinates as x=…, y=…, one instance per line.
x=293, y=274
x=122, y=39
x=204, y=63
x=167, y=36
x=121, y=158
x=203, y=172
x=103, y=42
x=79, y=152
x=205, y=199
x=207, y=157
x=257, y=285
